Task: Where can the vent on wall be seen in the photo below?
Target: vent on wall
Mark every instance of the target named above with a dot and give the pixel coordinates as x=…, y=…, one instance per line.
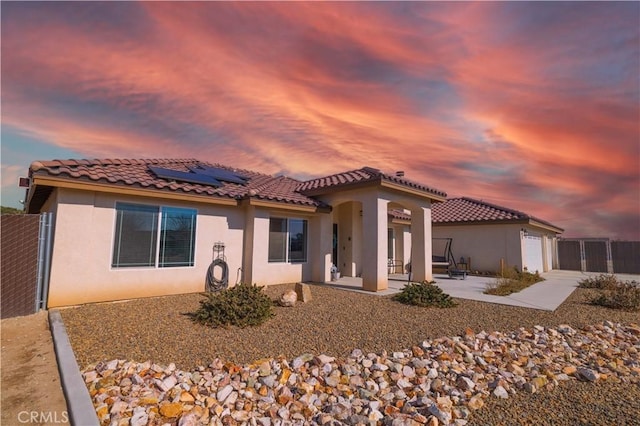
x=204, y=175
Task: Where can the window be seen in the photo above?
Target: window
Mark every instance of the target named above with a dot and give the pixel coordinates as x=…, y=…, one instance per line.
x=153, y=236
x=287, y=240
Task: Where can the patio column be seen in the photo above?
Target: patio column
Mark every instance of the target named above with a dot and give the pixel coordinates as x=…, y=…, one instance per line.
x=421, y=261
x=322, y=235
x=374, y=249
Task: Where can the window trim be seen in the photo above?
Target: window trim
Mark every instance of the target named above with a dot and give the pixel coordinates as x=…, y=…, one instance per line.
x=287, y=241
x=158, y=242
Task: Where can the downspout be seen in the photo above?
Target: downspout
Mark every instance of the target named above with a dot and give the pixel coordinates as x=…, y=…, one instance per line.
x=39, y=277
x=47, y=260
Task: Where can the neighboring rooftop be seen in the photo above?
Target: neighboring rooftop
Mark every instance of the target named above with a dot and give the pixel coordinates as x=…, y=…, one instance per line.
x=464, y=210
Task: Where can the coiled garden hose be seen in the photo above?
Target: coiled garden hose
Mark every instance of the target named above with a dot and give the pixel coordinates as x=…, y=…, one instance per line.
x=213, y=283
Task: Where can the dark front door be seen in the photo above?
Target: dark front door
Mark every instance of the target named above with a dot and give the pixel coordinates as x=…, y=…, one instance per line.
x=334, y=253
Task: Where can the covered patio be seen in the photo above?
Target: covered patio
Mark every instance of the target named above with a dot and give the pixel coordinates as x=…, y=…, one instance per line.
x=355, y=235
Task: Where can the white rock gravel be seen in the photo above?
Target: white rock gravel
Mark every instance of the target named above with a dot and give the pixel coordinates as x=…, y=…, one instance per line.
x=441, y=381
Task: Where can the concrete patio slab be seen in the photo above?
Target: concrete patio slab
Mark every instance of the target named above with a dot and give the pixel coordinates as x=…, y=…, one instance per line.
x=546, y=295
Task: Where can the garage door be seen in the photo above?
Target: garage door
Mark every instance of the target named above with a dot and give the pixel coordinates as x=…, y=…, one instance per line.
x=533, y=253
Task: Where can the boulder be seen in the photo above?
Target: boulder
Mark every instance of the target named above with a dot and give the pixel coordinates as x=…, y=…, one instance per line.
x=288, y=298
x=304, y=292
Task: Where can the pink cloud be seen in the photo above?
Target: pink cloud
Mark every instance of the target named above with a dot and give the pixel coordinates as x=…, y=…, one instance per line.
x=460, y=96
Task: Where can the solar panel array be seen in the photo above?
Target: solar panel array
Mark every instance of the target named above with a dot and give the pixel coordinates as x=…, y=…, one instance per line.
x=206, y=175
x=220, y=174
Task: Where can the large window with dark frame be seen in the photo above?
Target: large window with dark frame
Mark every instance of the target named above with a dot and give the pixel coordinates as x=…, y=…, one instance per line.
x=287, y=240
x=152, y=236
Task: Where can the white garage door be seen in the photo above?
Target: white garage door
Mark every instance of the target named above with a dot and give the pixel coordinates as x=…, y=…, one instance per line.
x=533, y=253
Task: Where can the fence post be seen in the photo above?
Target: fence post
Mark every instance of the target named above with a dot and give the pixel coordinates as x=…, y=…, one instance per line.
x=583, y=257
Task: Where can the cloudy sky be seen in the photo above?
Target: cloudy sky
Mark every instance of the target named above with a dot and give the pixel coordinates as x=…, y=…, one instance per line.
x=533, y=106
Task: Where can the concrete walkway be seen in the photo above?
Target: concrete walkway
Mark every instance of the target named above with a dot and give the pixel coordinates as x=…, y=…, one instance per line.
x=546, y=295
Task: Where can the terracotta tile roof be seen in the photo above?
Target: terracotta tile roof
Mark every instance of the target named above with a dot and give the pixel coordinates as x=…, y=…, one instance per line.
x=468, y=210
x=359, y=176
x=136, y=173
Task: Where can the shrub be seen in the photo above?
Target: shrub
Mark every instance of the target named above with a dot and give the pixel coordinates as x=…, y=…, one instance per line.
x=602, y=281
x=242, y=305
x=424, y=294
x=621, y=295
x=512, y=281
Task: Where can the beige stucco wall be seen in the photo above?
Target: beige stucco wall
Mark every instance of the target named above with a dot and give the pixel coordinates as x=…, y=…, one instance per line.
x=484, y=244
x=84, y=221
x=487, y=244
x=81, y=269
x=259, y=270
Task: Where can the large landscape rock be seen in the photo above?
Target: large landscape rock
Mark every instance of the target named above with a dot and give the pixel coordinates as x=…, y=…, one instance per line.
x=304, y=292
x=288, y=298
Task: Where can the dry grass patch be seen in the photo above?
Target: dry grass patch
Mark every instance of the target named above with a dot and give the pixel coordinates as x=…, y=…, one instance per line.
x=512, y=281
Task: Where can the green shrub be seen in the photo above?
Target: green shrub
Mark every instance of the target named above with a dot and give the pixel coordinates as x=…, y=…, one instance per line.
x=622, y=295
x=602, y=281
x=242, y=305
x=424, y=294
x=512, y=281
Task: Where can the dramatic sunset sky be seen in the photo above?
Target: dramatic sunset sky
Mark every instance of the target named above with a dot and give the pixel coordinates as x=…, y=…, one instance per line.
x=533, y=106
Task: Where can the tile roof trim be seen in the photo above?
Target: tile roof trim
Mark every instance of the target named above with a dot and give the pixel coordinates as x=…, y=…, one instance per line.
x=521, y=217
x=370, y=176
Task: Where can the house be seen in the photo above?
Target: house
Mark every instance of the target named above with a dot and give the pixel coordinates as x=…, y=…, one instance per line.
x=484, y=236
x=138, y=228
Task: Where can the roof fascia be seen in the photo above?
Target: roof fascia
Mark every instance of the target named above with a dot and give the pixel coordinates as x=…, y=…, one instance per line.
x=341, y=187
x=546, y=226
x=413, y=191
x=503, y=222
x=252, y=201
x=116, y=189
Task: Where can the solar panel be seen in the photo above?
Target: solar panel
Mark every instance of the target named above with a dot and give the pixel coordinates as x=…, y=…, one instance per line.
x=220, y=174
x=204, y=179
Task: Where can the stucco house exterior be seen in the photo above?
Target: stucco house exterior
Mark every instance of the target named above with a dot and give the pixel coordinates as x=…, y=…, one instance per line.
x=484, y=236
x=139, y=228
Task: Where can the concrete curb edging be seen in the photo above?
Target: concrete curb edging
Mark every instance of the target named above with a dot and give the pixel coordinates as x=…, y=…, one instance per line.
x=81, y=410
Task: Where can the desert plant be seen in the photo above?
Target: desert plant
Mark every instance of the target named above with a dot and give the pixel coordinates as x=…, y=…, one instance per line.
x=424, y=294
x=512, y=281
x=602, y=281
x=624, y=295
x=242, y=305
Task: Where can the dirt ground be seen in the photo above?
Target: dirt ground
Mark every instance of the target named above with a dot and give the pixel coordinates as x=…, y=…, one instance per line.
x=31, y=392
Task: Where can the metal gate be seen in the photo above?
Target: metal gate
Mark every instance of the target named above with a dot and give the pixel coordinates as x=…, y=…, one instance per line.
x=569, y=255
x=25, y=254
x=599, y=255
x=626, y=256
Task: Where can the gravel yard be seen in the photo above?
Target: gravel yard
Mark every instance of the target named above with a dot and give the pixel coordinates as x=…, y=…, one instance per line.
x=334, y=323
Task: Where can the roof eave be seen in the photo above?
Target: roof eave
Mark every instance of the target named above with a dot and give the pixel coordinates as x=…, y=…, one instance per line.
x=283, y=205
x=525, y=221
x=61, y=182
